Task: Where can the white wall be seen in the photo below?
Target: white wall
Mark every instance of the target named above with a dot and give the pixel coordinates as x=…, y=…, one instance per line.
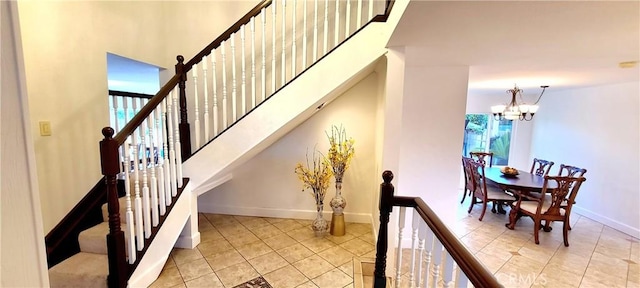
x=22, y=253
x=266, y=185
x=432, y=128
x=596, y=128
x=65, y=46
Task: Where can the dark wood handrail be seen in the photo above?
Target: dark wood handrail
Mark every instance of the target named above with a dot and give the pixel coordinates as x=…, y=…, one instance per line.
x=130, y=94
x=387, y=12
x=227, y=34
x=477, y=274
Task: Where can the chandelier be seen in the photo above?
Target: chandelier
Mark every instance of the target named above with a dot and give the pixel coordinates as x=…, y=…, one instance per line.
x=513, y=110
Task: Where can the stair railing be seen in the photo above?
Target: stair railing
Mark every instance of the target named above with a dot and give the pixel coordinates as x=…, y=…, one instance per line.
x=447, y=262
x=245, y=66
x=149, y=150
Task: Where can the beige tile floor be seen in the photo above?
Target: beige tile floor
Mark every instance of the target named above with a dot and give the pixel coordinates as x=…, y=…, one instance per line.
x=285, y=252
x=235, y=249
x=597, y=256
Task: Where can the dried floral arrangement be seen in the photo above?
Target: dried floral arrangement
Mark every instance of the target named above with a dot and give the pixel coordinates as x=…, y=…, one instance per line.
x=341, y=151
x=316, y=174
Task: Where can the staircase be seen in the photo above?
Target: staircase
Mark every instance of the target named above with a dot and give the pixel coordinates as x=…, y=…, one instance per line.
x=159, y=208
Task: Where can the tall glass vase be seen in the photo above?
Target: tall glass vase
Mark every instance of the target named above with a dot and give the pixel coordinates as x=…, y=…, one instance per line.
x=319, y=225
x=337, y=204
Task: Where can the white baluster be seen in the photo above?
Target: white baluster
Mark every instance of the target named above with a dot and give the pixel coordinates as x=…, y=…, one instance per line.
x=129, y=233
x=315, y=30
x=263, y=75
x=114, y=110
x=293, y=39
x=447, y=273
x=336, y=27
x=146, y=213
x=359, y=15
x=422, y=235
x=214, y=75
x=348, y=20
x=437, y=259
x=153, y=184
x=427, y=257
x=253, y=62
x=177, y=139
x=414, y=225
x=273, y=47
x=125, y=106
x=243, y=71
x=399, y=251
x=463, y=281
x=160, y=153
x=196, y=121
x=136, y=186
x=169, y=154
x=304, y=35
x=326, y=28
x=284, y=44
x=234, y=95
x=206, y=99
x=225, y=118
x=370, y=10
x=172, y=147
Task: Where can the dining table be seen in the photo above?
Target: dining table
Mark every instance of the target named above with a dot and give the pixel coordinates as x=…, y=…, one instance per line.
x=524, y=183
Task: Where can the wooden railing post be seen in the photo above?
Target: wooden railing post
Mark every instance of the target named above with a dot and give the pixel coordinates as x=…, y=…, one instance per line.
x=386, y=199
x=185, y=131
x=118, y=268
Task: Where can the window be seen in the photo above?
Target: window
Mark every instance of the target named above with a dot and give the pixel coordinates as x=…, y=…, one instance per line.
x=485, y=134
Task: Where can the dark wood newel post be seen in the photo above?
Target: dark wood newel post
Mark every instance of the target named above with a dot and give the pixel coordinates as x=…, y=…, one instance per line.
x=115, y=239
x=185, y=132
x=386, y=204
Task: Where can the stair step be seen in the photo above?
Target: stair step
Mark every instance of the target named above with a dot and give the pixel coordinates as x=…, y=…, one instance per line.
x=123, y=209
x=94, y=239
x=80, y=270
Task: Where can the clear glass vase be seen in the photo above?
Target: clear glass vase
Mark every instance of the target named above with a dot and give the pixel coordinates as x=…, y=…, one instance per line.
x=319, y=225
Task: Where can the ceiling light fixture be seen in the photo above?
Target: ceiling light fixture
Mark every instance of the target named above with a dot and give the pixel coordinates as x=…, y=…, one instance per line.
x=513, y=110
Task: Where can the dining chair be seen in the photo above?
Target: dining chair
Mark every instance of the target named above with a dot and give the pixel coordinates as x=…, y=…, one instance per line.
x=483, y=192
x=571, y=171
x=549, y=209
x=541, y=167
x=480, y=157
x=468, y=181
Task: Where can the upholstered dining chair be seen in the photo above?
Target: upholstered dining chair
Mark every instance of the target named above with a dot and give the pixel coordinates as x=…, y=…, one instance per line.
x=571, y=171
x=549, y=209
x=541, y=167
x=480, y=157
x=468, y=180
x=483, y=192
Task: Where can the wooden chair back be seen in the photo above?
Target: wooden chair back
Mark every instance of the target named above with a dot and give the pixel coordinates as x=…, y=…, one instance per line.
x=468, y=175
x=480, y=157
x=567, y=188
x=571, y=171
x=477, y=174
x=541, y=167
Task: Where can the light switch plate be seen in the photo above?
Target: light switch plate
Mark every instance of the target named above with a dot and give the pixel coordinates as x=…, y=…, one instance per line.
x=45, y=128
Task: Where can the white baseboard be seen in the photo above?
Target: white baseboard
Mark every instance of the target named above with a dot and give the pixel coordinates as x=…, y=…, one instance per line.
x=188, y=242
x=622, y=227
x=279, y=212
